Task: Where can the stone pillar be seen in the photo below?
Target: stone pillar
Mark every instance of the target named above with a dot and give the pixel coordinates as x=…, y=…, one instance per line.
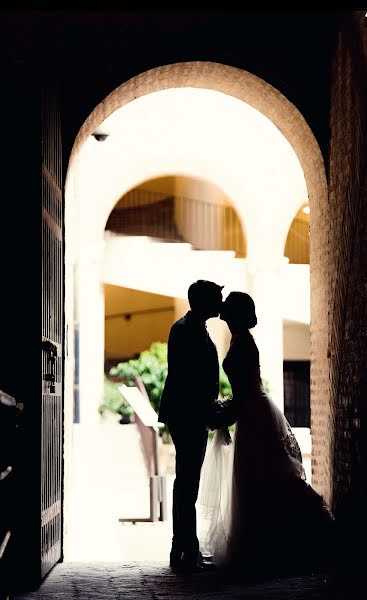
x=91, y=332
x=265, y=287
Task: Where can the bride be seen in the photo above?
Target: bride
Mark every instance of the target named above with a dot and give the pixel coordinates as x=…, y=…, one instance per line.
x=256, y=511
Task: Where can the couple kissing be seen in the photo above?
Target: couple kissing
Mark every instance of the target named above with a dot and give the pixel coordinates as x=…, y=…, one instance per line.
x=254, y=498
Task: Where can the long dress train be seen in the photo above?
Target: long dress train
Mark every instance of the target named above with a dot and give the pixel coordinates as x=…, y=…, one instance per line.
x=256, y=511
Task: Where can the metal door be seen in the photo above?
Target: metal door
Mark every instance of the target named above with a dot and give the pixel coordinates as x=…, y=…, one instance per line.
x=52, y=327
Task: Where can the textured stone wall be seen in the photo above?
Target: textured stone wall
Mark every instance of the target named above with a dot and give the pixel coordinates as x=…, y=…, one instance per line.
x=339, y=284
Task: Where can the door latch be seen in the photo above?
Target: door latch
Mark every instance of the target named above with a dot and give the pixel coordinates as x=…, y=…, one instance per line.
x=51, y=351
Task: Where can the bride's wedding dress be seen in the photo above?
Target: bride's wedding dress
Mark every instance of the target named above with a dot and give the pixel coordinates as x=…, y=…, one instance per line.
x=256, y=511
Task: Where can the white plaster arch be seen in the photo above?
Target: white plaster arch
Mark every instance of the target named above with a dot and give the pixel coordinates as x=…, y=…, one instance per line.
x=199, y=133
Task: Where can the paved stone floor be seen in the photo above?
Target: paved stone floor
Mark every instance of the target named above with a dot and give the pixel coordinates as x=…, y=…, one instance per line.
x=106, y=560
x=106, y=479
x=155, y=581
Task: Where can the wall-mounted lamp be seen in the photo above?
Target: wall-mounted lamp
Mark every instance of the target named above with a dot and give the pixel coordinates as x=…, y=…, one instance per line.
x=100, y=136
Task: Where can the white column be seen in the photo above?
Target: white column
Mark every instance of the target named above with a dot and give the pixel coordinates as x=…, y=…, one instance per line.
x=265, y=286
x=91, y=332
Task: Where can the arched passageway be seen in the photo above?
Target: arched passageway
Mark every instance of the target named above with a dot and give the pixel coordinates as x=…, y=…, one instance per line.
x=200, y=120
x=234, y=84
x=316, y=85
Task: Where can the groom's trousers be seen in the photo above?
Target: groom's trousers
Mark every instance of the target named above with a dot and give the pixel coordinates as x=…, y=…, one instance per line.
x=190, y=444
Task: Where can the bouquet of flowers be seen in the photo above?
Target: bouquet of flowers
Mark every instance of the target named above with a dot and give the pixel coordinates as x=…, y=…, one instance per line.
x=220, y=417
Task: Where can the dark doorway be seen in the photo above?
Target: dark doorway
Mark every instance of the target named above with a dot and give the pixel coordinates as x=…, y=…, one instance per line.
x=296, y=377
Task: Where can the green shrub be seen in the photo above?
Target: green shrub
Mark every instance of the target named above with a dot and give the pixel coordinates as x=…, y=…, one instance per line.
x=266, y=386
x=152, y=367
x=224, y=385
x=113, y=401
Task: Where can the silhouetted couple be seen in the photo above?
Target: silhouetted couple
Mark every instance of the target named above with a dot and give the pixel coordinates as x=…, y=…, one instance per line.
x=259, y=513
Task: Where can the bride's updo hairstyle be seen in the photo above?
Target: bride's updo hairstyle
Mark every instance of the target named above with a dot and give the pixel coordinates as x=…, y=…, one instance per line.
x=239, y=311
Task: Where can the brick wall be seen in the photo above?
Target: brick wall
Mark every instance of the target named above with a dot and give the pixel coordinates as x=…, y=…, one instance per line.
x=339, y=284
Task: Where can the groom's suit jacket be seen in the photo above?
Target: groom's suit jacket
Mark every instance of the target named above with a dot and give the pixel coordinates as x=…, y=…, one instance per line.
x=192, y=383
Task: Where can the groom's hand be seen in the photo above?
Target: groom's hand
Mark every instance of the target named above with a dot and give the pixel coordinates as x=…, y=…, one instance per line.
x=216, y=419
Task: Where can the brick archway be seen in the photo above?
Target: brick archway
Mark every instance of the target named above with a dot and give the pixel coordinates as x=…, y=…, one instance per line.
x=263, y=97
x=231, y=81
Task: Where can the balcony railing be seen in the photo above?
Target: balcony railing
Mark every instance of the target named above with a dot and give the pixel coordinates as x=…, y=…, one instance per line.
x=205, y=225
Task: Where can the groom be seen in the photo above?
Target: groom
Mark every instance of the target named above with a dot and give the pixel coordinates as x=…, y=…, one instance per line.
x=191, y=387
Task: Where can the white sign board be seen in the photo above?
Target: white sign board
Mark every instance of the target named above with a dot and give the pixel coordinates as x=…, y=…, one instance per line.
x=140, y=405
